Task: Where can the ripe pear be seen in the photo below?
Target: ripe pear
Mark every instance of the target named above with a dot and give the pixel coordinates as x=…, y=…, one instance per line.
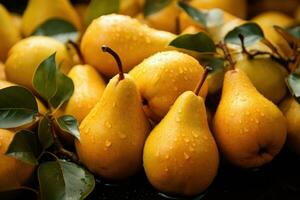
x=88, y=88
x=25, y=56
x=291, y=110
x=180, y=154
x=126, y=36
x=2, y=71
x=129, y=7
x=17, y=20
x=39, y=11
x=164, y=19
x=249, y=129
x=266, y=75
x=13, y=173
x=162, y=77
x=112, y=135
x=9, y=34
x=81, y=10
x=269, y=19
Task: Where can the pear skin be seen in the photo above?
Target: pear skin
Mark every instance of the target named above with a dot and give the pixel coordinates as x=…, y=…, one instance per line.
x=13, y=173
x=249, y=129
x=162, y=77
x=132, y=41
x=26, y=55
x=180, y=154
x=112, y=135
x=266, y=75
x=88, y=88
x=9, y=34
x=291, y=110
x=61, y=9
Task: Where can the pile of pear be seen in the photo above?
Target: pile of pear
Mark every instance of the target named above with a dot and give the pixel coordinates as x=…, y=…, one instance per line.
x=144, y=106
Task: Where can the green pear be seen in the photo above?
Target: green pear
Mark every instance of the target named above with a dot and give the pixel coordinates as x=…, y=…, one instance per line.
x=266, y=75
x=180, y=154
x=249, y=129
x=162, y=77
x=112, y=135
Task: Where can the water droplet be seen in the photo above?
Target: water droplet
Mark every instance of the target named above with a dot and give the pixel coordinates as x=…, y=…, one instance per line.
x=122, y=136
x=108, y=124
x=185, y=78
x=176, y=88
x=191, y=149
x=107, y=143
x=186, y=140
x=167, y=157
x=262, y=114
x=186, y=156
x=166, y=169
x=256, y=121
x=195, y=134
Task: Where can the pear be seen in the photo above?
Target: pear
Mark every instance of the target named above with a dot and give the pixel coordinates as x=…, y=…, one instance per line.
x=2, y=71
x=249, y=129
x=39, y=11
x=25, y=56
x=112, y=135
x=162, y=77
x=269, y=19
x=129, y=7
x=9, y=34
x=180, y=154
x=88, y=88
x=13, y=173
x=266, y=75
x=291, y=110
x=126, y=36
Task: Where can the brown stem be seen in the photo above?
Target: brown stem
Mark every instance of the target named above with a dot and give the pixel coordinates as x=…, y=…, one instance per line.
x=245, y=51
x=202, y=80
x=227, y=54
x=177, y=25
x=117, y=59
x=271, y=46
x=75, y=46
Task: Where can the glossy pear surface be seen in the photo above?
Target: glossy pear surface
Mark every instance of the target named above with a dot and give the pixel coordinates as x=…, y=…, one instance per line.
x=9, y=34
x=291, y=110
x=112, y=135
x=162, y=77
x=180, y=154
x=249, y=129
x=39, y=11
x=132, y=41
x=88, y=89
x=266, y=75
x=13, y=173
x=25, y=57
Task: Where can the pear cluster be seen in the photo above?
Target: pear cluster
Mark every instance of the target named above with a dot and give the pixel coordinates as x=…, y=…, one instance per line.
x=142, y=104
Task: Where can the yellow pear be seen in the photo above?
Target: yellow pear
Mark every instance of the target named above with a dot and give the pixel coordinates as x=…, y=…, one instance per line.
x=291, y=110
x=13, y=173
x=17, y=19
x=39, y=11
x=9, y=34
x=81, y=10
x=266, y=75
x=162, y=77
x=132, y=40
x=129, y=7
x=249, y=129
x=234, y=7
x=112, y=135
x=180, y=154
x=2, y=71
x=25, y=56
x=88, y=88
x=269, y=19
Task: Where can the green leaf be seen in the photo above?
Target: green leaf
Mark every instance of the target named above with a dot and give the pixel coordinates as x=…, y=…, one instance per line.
x=98, y=8
x=17, y=107
x=59, y=29
x=200, y=42
x=69, y=124
x=194, y=13
x=24, y=147
x=45, y=133
x=293, y=83
x=295, y=31
x=153, y=6
x=65, y=89
x=215, y=63
x=44, y=80
x=61, y=180
x=251, y=32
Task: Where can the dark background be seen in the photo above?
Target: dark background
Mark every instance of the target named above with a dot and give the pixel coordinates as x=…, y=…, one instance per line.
x=279, y=180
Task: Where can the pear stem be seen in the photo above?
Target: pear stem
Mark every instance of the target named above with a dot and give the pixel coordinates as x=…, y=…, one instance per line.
x=177, y=25
x=202, y=80
x=77, y=50
x=227, y=54
x=245, y=51
x=117, y=59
